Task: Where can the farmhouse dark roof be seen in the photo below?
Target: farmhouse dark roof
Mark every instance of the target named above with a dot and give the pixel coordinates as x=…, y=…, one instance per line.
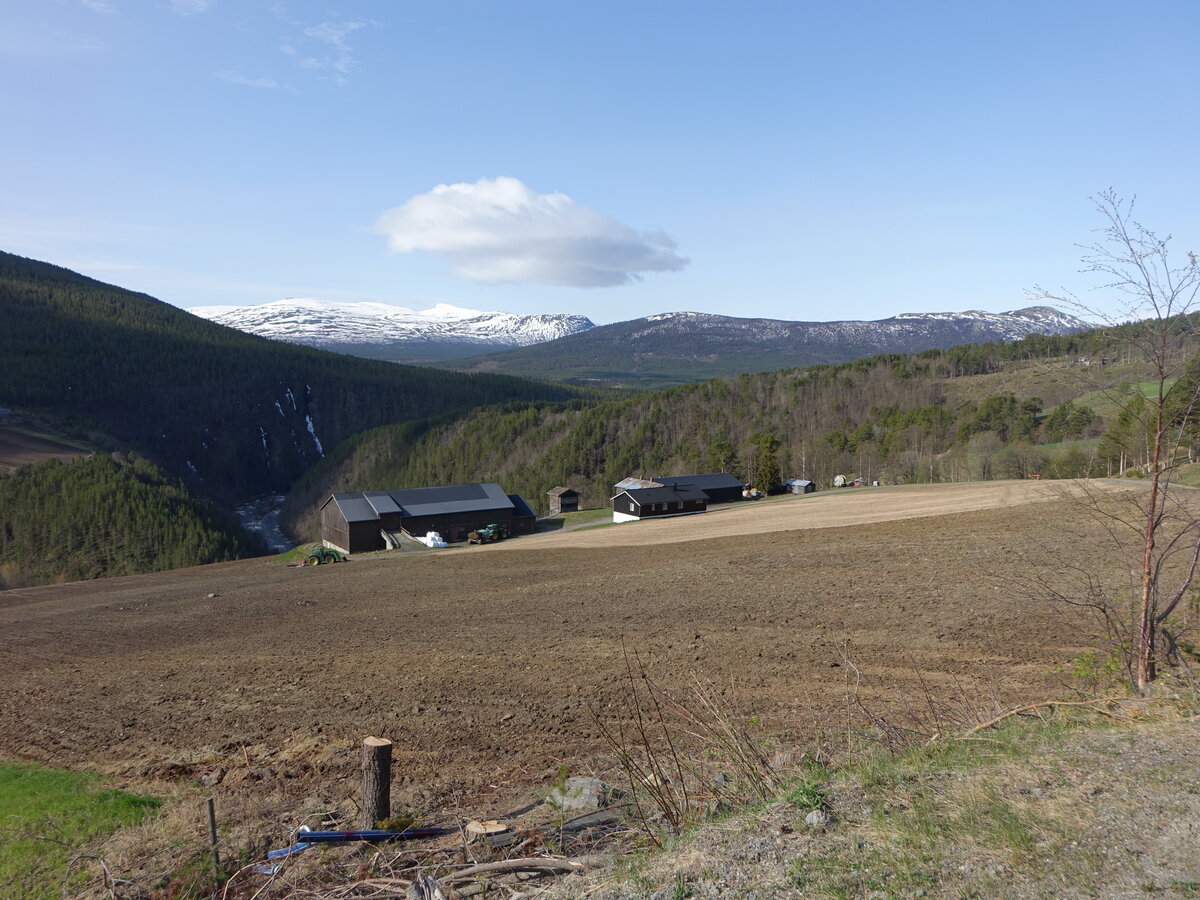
x=431, y=501
x=642, y=496
x=629, y=484
x=704, y=482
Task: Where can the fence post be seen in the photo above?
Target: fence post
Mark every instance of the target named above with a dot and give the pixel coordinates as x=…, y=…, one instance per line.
x=212, y=837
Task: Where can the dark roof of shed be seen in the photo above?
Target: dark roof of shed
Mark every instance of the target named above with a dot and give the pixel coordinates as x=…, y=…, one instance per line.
x=354, y=507
x=797, y=481
x=520, y=507
x=704, y=482
x=430, y=501
x=381, y=502
x=641, y=496
x=561, y=491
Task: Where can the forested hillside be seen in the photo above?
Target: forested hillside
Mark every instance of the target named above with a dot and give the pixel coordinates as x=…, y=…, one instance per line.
x=1040, y=405
x=232, y=414
x=98, y=516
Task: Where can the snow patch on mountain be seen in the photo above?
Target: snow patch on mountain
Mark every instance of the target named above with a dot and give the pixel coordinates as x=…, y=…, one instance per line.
x=322, y=323
x=974, y=325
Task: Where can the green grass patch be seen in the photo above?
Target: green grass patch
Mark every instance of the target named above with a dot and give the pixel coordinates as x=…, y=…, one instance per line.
x=572, y=520
x=862, y=870
x=299, y=553
x=49, y=815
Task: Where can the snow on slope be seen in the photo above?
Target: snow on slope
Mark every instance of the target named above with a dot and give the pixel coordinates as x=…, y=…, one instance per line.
x=969, y=326
x=322, y=323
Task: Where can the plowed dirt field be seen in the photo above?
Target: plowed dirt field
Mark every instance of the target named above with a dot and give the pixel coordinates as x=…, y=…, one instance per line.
x=483, y=664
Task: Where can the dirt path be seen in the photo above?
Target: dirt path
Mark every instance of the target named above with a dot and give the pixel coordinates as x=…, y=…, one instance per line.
x=488, y=665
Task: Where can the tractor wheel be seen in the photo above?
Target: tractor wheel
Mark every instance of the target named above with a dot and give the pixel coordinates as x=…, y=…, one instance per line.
x=313, y=561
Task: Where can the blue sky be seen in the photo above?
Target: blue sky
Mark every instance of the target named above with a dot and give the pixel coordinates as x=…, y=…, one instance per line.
x=792, y=160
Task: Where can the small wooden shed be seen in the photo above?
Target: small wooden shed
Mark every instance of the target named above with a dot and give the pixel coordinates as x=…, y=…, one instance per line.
x=563, y=500
x=799, y=486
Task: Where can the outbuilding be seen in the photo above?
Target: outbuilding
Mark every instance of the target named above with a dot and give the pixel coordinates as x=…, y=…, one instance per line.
x=656, y=502
x=374, y=520
x=563, y=500
x=799, y=486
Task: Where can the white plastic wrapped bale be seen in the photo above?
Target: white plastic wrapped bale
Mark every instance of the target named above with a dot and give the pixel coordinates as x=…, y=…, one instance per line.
x=434, y=539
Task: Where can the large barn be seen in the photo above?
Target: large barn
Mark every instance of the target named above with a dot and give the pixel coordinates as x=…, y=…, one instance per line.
x=374, y=520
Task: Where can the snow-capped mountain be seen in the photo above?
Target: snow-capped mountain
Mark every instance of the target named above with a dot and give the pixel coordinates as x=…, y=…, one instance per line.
x=685, y=346
x=380, y=329
x=904, y=333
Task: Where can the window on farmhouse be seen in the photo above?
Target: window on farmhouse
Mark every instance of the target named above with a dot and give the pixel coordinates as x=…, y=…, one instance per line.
x=679, y=504
x=631, y=508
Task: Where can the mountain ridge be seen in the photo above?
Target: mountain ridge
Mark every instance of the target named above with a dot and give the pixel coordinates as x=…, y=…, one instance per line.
x=381, y=330
x=679, y=347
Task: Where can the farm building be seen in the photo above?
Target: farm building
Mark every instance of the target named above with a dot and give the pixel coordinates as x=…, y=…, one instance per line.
x=645, y=503
x=799, y=486
x=374, y=520
x=718, y=487
x=563, y=500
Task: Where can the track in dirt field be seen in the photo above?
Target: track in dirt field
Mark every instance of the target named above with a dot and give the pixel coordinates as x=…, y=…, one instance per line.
x=484, y=664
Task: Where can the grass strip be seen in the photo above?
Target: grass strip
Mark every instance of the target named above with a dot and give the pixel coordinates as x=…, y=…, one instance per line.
x=47, y=817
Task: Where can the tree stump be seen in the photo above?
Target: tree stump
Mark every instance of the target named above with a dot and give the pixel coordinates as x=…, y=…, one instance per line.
x=377, y=781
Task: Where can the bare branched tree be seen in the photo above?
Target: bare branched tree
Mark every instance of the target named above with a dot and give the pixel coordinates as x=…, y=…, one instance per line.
x=1160, y=296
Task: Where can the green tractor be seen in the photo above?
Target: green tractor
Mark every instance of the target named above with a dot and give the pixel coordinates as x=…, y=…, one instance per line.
x=322, y=555
x=488, y=534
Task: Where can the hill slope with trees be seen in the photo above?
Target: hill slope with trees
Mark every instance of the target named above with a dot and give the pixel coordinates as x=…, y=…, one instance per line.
x=1039, y=405
x=100, y=516
x=231, y=414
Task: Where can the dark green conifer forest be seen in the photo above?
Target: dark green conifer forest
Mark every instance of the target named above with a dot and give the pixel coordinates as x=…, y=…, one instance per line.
x=97, y=516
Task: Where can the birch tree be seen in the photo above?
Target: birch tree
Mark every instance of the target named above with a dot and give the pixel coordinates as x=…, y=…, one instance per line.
x=1160, y=293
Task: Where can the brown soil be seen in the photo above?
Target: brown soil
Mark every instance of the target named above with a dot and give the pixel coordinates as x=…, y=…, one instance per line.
x=19, y=447
x=483, y=664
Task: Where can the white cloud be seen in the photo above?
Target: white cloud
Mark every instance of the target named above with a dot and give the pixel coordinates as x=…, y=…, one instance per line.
x=190, y=7
x=333, y=34
x=500, y=231
x=235, y=76
x=99, y=6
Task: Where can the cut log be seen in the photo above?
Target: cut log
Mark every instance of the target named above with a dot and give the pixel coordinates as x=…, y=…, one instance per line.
x=377, y=781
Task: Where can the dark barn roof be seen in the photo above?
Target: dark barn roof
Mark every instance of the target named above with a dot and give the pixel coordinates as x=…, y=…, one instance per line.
x=642, y=496
x=704, y=482
x=520, y=507
x=431, y=501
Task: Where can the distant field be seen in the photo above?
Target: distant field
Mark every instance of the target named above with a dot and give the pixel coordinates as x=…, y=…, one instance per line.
x=21, y=447
x=484, y=664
